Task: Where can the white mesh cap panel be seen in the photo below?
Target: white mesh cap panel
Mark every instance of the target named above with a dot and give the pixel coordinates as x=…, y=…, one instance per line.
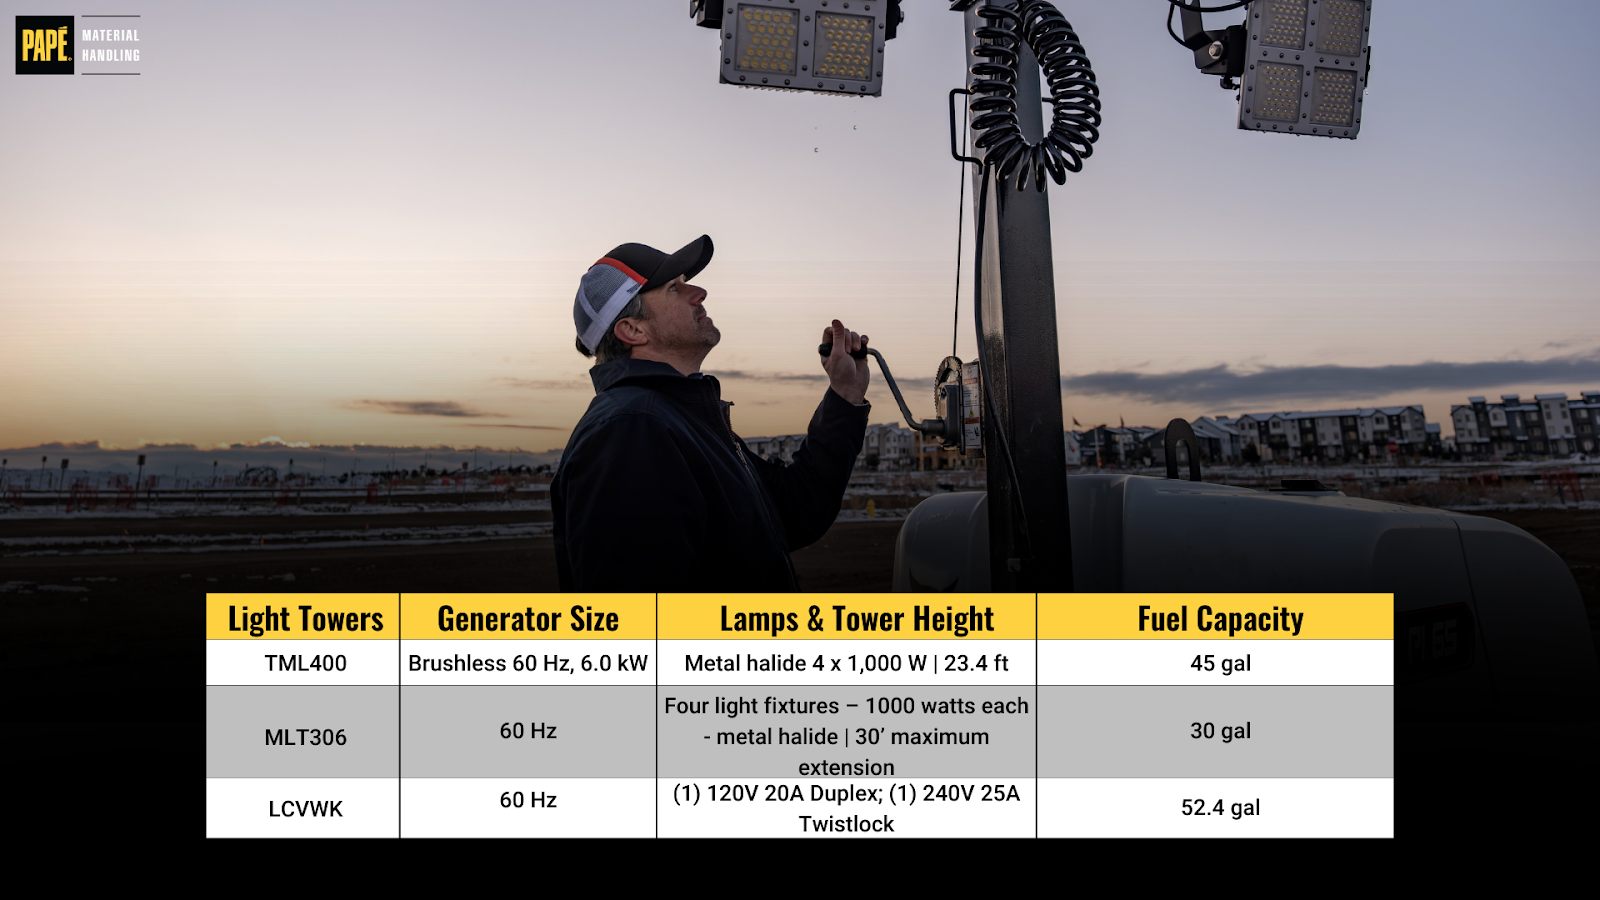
x=602, y=293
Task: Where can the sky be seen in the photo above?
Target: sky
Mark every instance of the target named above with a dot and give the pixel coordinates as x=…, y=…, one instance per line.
x=363, y=223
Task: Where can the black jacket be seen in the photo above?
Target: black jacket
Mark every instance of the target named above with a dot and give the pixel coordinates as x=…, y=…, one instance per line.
x=656, y=493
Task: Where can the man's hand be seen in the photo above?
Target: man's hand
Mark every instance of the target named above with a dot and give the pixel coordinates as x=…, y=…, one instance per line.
x=847, y=376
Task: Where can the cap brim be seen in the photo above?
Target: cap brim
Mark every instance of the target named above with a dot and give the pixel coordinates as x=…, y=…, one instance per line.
x=688, y=262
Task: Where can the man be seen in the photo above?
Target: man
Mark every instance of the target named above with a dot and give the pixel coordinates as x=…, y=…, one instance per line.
x=655, y=491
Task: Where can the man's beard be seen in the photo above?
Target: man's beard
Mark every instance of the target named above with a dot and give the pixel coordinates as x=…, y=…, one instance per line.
x=698, y=338
x=710, y=335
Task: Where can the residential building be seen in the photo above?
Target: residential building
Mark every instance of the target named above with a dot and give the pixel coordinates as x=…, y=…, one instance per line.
x=1111, y=445
x=1586, y=423
x=1550, y=425
x=1219, y=441
x=1337, y=435
x=782, y=447
x=933, y=456
x=888, y=446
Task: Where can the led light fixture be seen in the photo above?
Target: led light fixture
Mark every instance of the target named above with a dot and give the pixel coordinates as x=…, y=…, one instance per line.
x=764, y=40
x=822, y=46
x=844, y=47
x=1306, y=69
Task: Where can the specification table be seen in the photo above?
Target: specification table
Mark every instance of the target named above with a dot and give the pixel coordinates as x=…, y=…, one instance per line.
x=782, y=715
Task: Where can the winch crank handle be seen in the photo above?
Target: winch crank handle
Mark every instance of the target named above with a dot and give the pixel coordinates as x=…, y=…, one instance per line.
x=932, y=427
x=827, y=350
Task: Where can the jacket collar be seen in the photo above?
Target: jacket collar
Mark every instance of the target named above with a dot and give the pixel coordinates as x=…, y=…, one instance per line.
x=608, y=375
x=653, y=374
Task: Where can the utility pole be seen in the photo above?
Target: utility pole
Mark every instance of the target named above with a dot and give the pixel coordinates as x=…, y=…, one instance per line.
x=1024, y=363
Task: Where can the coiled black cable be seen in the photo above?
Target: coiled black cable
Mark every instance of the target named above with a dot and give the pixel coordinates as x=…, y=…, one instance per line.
x=1073, y=92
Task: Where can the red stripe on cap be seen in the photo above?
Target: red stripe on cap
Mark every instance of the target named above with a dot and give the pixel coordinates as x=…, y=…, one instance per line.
x=608, y=261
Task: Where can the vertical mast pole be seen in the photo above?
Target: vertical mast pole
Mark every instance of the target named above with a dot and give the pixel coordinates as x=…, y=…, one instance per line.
x=1023, y=352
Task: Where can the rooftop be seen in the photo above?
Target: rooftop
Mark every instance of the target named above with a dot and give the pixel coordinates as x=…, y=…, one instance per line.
x=1328, y=413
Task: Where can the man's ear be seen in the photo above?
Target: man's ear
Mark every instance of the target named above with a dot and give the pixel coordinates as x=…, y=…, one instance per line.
x=629, y=332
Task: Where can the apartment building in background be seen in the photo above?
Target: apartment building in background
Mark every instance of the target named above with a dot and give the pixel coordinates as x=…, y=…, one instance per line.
x=1219, y=440
x=782, y=447
x=1339, y=435
x=887, y=446
x=1112, y=445
x=1547, y=425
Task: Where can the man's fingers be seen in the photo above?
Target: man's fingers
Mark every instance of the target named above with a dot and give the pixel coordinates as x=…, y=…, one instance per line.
x=845, y=342
x=834, y=334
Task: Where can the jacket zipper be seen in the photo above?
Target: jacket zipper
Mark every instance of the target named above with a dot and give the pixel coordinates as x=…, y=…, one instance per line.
x=738, y=450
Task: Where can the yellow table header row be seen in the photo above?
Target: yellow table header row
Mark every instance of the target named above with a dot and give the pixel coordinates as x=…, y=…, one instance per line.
x=833, y=616
x=430, y=616
x=528, y=616
x=303, y=616
x=792, y=616
x=1216, y=616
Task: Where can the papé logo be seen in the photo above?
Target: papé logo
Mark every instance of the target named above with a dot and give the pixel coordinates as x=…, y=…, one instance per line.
x=44, y=45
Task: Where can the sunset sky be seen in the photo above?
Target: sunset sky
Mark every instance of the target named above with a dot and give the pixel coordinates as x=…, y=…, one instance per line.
x=364, y=223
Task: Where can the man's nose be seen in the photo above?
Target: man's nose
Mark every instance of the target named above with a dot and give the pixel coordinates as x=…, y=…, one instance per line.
x=697, y=295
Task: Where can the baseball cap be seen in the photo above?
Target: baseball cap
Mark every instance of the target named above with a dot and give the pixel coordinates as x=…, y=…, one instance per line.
x=629, y=270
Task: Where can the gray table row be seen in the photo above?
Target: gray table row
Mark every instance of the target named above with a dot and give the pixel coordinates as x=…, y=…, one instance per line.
x=673, y=732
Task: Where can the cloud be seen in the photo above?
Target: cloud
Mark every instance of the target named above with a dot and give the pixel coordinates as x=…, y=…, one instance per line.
x=741, y=375
x=446, y=408
x=508, y=425
x=542, y=384
x=1221, y=386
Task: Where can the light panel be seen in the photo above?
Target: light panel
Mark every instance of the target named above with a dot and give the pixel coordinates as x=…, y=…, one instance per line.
x=1333, y=97
x=1278, y=90
x=844, y=47
x=765, y=39
x=1283, y=24
x=822, y=46
x=1343, y=24
x=1306, y=72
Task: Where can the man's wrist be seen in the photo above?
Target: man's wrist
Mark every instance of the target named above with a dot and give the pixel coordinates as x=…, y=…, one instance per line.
x=855, y=400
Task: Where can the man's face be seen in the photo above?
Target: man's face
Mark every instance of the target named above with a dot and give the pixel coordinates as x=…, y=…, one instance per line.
x=676, y=318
